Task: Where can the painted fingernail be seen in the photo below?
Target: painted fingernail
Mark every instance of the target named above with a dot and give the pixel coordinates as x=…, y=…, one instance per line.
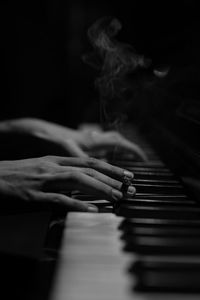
x=92, y=208
x=116, y=195
x=131, y=190
x=129, y=175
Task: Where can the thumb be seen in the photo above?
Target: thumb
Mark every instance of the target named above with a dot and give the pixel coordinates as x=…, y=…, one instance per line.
x=70, y=203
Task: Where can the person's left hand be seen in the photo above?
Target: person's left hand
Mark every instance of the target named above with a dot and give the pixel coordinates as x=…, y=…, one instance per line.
x=73, y=142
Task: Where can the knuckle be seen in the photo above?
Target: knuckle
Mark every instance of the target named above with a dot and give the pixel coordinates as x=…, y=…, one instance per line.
x=90, y=172
x=45, y=167
x=42, y=167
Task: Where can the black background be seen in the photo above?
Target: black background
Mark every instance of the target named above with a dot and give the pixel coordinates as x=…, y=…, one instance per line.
x=41, y=44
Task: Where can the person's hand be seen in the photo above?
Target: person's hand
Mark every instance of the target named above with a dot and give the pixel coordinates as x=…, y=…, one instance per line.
x=50, y=179
x=95, y=140
x=73, y=142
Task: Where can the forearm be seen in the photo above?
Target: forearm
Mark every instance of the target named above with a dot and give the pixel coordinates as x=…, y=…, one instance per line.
x=32, y=137
x=17, y=125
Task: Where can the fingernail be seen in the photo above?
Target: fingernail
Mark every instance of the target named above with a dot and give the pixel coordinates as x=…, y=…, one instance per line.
x=92, y=208
x=129, y=175
x=116, y=195
x=131, y=190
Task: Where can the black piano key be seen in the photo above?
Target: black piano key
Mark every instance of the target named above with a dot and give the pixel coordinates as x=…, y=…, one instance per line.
x=160, y=196
x=159, y=188
x=155, y=171
x=166, y=224
x=157, y=282
x=150, y=263
x=160, y=219
x=169, y=212
x=163, y=245
x=153, y=175
x=130, y=232
x=160, y=223
x=155, y=181
x=168, y=277
x=156, y=202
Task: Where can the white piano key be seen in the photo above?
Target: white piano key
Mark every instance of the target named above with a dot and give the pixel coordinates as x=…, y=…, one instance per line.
x=92, y=265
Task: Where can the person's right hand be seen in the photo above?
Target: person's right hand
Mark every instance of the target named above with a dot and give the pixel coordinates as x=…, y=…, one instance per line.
x=49, y=179
x=55, y=139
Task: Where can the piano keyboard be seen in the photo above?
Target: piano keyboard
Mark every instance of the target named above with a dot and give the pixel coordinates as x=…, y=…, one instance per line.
x=145, y=247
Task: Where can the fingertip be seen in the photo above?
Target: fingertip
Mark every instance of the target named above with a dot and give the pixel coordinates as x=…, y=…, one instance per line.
x=127, y=175
x=131, y=190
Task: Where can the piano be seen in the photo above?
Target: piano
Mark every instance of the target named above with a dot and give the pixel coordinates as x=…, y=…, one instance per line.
x=145, y=247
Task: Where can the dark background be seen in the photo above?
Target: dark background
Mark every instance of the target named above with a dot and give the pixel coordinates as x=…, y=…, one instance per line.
x=41, y=44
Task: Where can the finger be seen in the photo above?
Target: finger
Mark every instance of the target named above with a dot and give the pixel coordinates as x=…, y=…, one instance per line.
x=73, y=149
x=102, y=177
x=128, y=189
x=90, y=172
x=69, y=203
x=83, y=183
x=98, y=165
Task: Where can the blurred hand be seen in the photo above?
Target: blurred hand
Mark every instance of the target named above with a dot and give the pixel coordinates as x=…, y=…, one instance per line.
x=74, y=142
x=50, y=179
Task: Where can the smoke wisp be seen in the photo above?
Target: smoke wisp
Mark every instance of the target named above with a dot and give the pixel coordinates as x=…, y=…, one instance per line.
x=115, y=60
